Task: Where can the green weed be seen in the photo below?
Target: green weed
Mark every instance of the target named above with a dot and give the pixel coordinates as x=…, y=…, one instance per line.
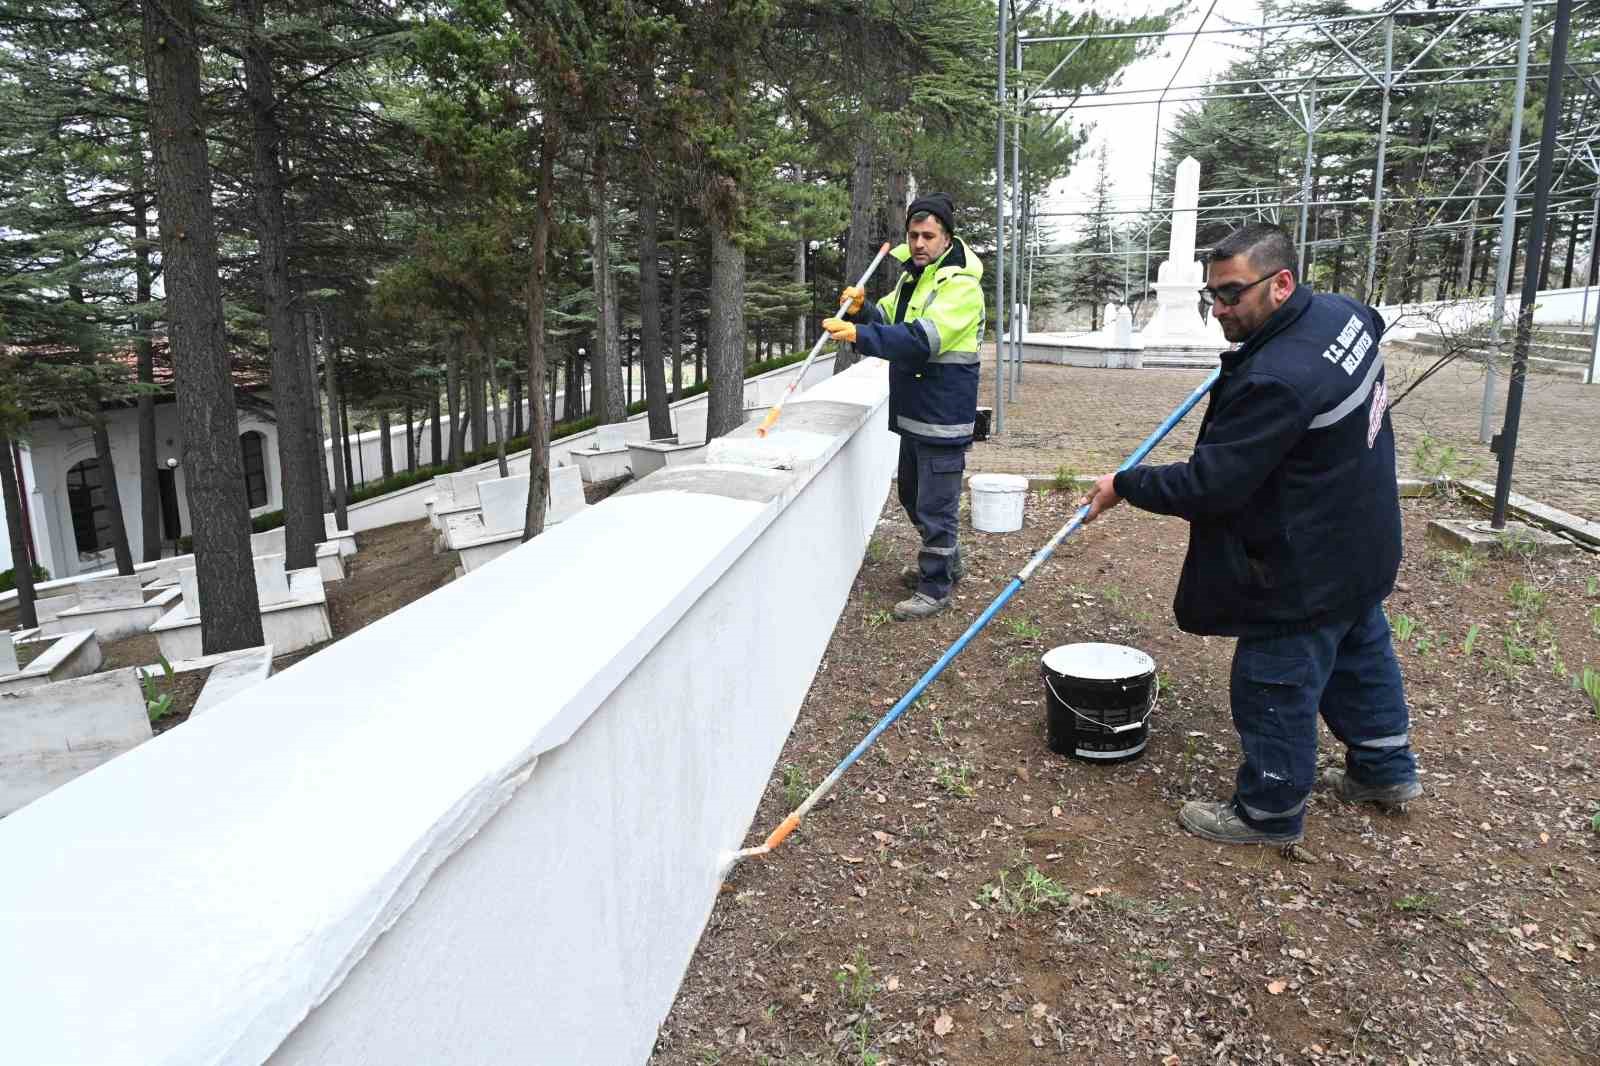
x=954, y=777
x=1528, y=599
x=878, y=618
x=1588, y=683
x=796, y=786
x=1405, y=627
x=157, y=704
x=1459, y=566
x=1024, y=628
x=1113, y=595
x=1594, y=620
x=1024, y=892
x=876, y=550
x=1517, y=653
x=1433, y=458
x=1471, y=641
x=1066, y=479
x=855, y=982
x=1019, y=660
x=1416, y=904
x=1592, y=586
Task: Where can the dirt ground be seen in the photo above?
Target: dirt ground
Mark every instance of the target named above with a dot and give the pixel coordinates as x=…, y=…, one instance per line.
x=967, y=896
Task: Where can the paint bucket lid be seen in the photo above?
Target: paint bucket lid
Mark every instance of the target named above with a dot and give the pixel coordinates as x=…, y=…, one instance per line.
x=998, y=483
x=1098, y=662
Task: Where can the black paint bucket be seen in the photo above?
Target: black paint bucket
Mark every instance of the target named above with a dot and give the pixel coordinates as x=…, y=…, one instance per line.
x=1098, y=699
x=980, y=429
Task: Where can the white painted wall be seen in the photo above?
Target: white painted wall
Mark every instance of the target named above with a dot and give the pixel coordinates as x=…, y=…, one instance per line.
x=525, y=885
x=1555, y=307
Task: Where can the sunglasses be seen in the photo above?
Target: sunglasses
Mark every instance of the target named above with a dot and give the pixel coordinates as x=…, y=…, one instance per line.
x=1230, y=295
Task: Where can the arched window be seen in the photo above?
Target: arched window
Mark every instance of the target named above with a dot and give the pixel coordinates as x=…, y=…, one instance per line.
x=255, y=467
x=91, y=523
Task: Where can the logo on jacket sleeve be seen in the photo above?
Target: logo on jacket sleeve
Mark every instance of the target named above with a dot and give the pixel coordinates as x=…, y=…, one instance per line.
x=1380, y=407
x=1351, y=346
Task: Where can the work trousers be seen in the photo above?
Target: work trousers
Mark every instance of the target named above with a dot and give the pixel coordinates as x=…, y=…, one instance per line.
x=930, y=491
x=1349, y=672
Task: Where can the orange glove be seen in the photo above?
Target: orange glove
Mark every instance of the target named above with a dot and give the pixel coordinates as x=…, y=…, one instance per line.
x=840, y=330
x=855, y=295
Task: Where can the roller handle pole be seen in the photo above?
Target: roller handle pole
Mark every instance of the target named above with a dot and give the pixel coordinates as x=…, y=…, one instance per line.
x=792, y=822
x=772, y=416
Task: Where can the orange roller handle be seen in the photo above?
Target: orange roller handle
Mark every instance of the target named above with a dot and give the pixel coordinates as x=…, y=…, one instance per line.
x=767, y=423
x=780, y=834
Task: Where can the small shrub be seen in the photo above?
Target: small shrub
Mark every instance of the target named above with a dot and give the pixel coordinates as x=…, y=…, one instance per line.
x=1066, y=479
x=1433, y=458
x=796, y=786
x=1028, y=892
x=8, y=578
x=1528, y=599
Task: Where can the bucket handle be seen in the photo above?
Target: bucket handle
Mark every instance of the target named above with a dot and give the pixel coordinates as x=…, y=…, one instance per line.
x=1155, y=694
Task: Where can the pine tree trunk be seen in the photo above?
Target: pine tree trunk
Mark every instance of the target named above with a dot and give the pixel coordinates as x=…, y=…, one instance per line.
x=144, y=356
x=517, y=428
x=291, y=390
x=725, y=354
x=21, y=550
x=411, y=443
x=538, y=282
x=113, y=497
x=660, y=415
x=800, y=282
x=486, y=352
x=675, y=333
x=858, y=252
x=385, y=448
x=341, y=460
x=344, y=441
x=569, y=395
x=606, y=359
x=203, y=372
x=1572, y=251
x=436, y=433
x=452, y=389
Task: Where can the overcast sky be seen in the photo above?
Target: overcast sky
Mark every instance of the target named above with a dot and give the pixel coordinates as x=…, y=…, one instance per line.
x=1128, y=132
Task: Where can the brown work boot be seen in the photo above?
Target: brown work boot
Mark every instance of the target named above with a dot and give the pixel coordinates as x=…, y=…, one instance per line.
x=1389, y=797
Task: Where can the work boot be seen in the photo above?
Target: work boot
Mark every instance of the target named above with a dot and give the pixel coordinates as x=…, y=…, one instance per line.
x=911, y=576
x=919, y=606
x=1389, y=797
x=1220, y=822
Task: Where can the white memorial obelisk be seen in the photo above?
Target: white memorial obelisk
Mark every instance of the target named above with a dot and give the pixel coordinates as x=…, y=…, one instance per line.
x=1177, y=322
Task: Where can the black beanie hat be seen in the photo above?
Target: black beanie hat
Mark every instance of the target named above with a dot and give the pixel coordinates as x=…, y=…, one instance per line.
x=936, y=204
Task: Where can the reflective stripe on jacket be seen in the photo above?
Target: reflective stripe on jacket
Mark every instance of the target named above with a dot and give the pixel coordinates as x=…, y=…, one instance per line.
x=928, y=327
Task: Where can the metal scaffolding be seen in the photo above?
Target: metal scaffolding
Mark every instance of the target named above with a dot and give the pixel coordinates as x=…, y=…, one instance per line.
x=1568, y=159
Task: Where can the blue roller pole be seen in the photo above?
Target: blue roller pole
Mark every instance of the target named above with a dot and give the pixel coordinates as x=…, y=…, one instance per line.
x=790, y=823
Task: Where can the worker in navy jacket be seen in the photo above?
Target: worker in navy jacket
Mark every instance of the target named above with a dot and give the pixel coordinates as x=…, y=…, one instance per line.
x=1294, y=541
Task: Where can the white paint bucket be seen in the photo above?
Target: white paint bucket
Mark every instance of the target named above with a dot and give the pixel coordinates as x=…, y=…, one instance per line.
x=997, y=502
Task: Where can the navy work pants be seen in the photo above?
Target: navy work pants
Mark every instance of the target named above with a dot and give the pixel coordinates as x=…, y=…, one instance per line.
x=930, y=491
x=1349, y=672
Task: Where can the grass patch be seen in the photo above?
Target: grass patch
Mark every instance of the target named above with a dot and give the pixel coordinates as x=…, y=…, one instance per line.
x=1024, y=891
x=955, y=778
x=1025, y=629
x=855, y=981
x=1458, y=566
x=1420, y=903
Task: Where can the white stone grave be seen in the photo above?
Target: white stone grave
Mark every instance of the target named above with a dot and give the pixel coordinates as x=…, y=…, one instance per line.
x=566, y=494
x=330, y=562
x=54, y=732
x=301, y=621
x=504, y=503
x=65, y=656
x=345, y=539
x=272, y=583
x=111, y=607
x=8, y=655
x=646, y=457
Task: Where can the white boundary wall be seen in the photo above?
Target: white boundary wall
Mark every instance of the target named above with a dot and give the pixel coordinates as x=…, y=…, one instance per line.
x=475, y=831
x=1556, y=307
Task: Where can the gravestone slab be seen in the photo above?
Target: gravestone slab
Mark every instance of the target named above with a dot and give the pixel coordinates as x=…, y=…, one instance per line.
x=8, y=655
x=272, y=583
x=190, y=587
x=53, y=733
x=108, y=592
x=566, y=493
x=610, y=437
x=504, y=503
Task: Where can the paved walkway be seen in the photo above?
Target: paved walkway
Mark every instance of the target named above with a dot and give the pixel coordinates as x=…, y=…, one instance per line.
x=1089, y=420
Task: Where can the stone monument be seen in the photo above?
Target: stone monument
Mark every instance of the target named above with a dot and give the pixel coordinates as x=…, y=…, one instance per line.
x=1177, y=322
